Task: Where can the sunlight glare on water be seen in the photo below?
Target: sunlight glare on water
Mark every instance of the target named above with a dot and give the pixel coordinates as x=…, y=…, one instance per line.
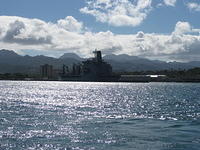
x=78, y=115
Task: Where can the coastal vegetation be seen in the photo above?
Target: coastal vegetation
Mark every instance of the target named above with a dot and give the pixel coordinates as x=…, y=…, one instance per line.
x=190, y=75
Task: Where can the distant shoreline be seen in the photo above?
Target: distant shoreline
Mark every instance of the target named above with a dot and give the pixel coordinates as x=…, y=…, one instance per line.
x=172, y=81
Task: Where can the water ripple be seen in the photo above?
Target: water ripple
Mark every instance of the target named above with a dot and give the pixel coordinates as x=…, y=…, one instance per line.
x=70, y=115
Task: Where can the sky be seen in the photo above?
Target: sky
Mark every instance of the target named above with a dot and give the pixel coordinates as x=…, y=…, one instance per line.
x=167, y=30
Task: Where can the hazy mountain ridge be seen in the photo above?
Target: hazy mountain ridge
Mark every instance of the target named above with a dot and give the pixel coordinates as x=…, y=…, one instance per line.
x=71, y=55
x=28, y=64
x=11, y=62
x=133, y=63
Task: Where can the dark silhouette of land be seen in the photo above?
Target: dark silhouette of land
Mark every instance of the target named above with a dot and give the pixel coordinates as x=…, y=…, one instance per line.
x=16, y=67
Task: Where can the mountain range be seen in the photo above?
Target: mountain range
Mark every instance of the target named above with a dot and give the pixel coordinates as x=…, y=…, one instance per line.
x=11, y=62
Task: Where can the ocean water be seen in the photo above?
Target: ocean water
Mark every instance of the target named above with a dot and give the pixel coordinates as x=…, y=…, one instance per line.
x=99, y=116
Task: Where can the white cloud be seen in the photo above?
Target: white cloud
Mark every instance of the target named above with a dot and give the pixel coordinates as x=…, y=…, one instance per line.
x=24, y=31
x=182, y=27
x=70, y=24
x=170, y=2
x=118, y=12
x=33, y=34
x=194, y=6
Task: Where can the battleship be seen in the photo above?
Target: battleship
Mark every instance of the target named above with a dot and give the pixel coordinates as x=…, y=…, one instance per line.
x=94, y=69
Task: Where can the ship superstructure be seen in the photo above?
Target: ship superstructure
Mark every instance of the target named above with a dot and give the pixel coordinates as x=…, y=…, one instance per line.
x=95, y=69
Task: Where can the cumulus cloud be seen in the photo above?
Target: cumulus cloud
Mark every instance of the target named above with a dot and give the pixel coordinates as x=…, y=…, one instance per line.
x=170, y=2
x=193, y=6
x=70, y=24
x=36, y=34
x=184, y=27
x=16, y=34
x=33, y=34
x=118, y=13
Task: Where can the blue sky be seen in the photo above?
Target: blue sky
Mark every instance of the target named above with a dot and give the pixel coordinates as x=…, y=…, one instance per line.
x=83, y=20
x=160, y=20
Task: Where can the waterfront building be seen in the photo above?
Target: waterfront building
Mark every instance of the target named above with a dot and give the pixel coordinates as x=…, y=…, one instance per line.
x=46, y=71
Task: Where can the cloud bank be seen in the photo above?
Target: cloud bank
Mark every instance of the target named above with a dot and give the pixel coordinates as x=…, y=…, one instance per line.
x=118, y=12
x=68, y=35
